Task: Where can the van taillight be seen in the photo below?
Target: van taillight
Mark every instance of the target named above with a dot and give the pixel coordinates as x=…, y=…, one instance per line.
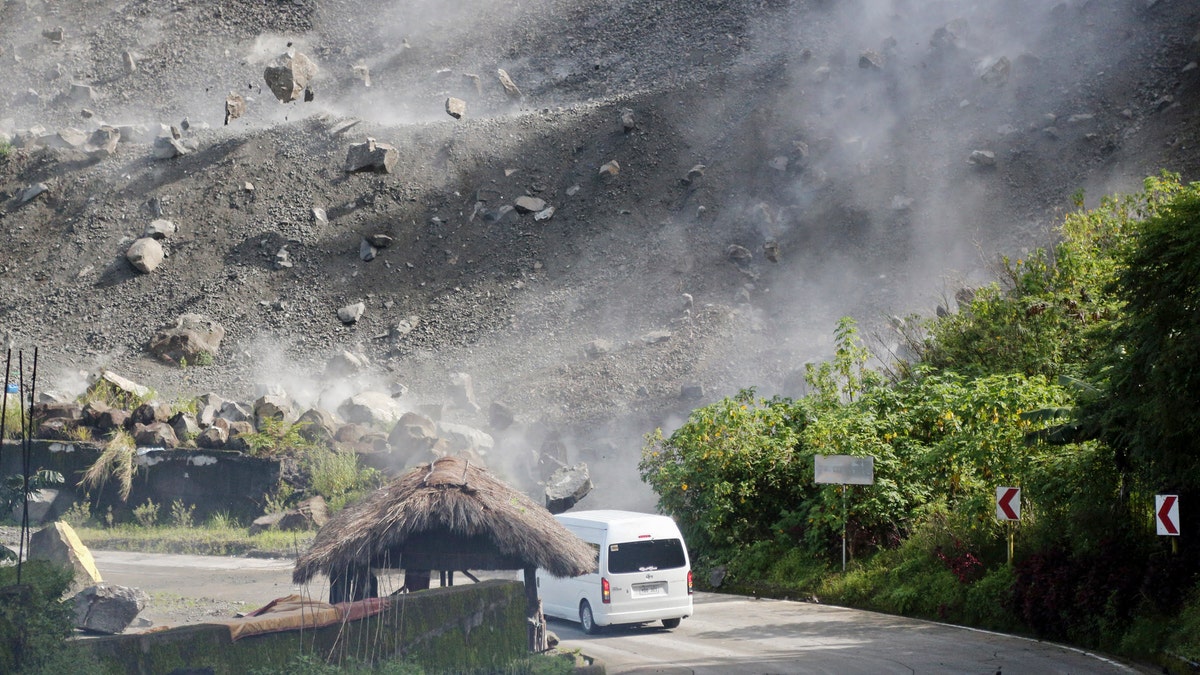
x=689, y=582
x=606, y=590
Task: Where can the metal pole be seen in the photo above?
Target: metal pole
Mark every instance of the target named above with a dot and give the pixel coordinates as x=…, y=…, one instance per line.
x=4, y=401
x=1012, y=529
x=845, y=519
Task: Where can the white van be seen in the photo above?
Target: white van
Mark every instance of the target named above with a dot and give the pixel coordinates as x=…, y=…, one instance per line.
x=643, y=573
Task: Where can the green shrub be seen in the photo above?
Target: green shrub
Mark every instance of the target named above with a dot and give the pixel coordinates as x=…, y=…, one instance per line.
x=275, y=436
x=337, y=476
x=989, y=600
x=182, y=515
x=34, y=620
x=146, y=515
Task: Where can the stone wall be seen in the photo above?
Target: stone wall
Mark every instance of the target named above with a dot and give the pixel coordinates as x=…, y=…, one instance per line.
x=470, y=628
x=211, y=480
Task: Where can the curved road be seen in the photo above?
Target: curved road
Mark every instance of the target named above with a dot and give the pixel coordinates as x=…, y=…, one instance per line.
x=727, y=635
x=732, y=635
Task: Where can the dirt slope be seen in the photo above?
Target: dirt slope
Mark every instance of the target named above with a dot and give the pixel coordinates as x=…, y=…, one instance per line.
x=837, y=133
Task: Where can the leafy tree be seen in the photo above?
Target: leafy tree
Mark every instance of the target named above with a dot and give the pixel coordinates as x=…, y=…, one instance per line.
x=730, y=470
x=1152, y=366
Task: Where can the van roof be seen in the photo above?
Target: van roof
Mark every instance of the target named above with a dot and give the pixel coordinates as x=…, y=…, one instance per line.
x=613, y=517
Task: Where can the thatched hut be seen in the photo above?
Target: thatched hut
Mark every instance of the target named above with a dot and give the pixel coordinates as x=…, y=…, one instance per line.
x=446, y=515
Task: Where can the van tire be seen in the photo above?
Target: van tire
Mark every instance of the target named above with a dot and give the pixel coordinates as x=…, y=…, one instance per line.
x=586, y=620
x=671, y=623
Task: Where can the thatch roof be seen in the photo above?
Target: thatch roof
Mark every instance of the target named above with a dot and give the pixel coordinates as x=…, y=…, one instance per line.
x=447, y=515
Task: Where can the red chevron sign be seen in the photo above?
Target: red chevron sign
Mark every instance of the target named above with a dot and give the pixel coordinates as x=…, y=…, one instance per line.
x=1166, y=514
x=1008, y=503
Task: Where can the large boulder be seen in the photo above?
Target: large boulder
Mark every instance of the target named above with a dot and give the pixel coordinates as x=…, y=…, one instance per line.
x=465, y=440
x=58, y=543
x=566, y=487
x=371, y=408
x=280, y=408
x=193, y=338
x=289, y=77
x=310, y=514
x=213, y=438
x=157, y=435
x=318, y=425
x=372, y=156
x=413, y=433
x=108, y=608
x=122, y=386
x=145, y=254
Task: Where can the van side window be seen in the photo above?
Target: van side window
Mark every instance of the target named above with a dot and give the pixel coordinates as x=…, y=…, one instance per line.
x=646, y=556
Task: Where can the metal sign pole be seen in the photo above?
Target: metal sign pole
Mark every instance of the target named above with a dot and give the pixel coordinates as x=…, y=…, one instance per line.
x=845, y=520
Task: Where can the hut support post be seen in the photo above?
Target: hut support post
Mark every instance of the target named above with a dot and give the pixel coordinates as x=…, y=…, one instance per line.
x=533, y=612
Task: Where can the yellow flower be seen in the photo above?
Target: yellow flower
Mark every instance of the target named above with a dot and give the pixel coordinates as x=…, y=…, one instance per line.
x=684, y=486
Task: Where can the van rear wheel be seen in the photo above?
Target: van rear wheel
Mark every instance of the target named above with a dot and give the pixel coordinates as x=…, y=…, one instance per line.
x=671, y=623
x=586, y=620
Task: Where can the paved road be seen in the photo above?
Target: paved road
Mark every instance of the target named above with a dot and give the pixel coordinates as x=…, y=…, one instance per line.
x=728, y=635
x=734, y=635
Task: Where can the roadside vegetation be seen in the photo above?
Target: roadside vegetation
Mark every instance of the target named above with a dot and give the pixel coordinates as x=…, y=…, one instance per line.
x=1071, y=377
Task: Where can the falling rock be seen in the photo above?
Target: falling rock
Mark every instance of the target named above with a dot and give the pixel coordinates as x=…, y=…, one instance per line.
x=33, y=191
x=103, y=142
x=953, y=35
x=235, y=107
x=656, y=337
x=107, y=380
x=610, y=169
x=500, y=416
x=129, y=61
x=283, y=259
x=169, y=147
x=371, y=408
x=379, y=240
x=58, y=543
x=545, y=214
x=464, y=439
x=345, y=363
x=566, y=487
x=982, y=158
x=597, y=348
x=693, y=174
x=510, y=87
x=145, y=254
x=413, y=434
x=160, y=228
x=55, y=35
x=191, y=339
x=527, y=204
x=362, y=72
x=628, y=123
x=318, y=425
x=371, y=156
x=290, y=76
x=456, y=107
x=81, y=94
x=771, y=251
x=871, y=60
x=738, y=254
x=319, y=216
x=691, y=392
x=108, y=608
x=996, y=74
x=461, y=391
x=351, y=313
x=366, y=251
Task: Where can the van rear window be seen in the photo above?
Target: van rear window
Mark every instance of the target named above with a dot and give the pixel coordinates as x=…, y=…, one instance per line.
x=646, y=556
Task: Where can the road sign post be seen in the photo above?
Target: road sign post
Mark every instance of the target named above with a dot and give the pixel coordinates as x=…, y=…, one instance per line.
x=1166, y=515
x=844, y=470
x=1008, y=508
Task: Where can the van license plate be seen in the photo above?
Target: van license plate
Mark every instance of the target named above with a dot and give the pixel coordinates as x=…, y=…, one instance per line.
x=650, y=590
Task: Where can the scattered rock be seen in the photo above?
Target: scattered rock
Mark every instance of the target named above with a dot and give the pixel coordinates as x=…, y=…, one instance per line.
x=345, y=363
x=129, y=61
x=55, y=35
x=996, y=73
x=771, y=251
x=456, y=107
x=103, y=142
x=184, y=425
x=610, y=169
x=351, y=313
x=145, y=254
x=739, y=255
x=35, y=190
x=214, y=437
x=627, y=121
x=159, y=229
x=157, y=435
x=366, y=252
x=192, y=339
x=362, y=72
x=107, y=380
x=371, y=156
x=372, y=408
x=871, y=60
x=545, y=214
x=461, y=392
x=597, y=348
x=276, y=407
x=510, y=87
x=168, y=147
x=982, y=158
x=527, y=204
x=500, y=416
x=318, y=425
x=235, y=107
x=694, y=174
x=108, y=608
x=413, y=434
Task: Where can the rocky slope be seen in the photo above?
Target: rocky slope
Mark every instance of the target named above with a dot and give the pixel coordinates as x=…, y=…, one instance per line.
x=852, y=157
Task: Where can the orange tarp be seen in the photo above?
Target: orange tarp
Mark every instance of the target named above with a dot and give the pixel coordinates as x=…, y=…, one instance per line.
x=294, y=612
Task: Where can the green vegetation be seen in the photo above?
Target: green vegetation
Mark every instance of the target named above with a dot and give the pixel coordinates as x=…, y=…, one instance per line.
x=5, y=149
x=217, y=537
x=536, y=664
x=1072, y=377
x=116, y=462
x=275, y=437
x=35, y=620
x=337, y=476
